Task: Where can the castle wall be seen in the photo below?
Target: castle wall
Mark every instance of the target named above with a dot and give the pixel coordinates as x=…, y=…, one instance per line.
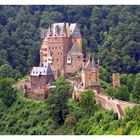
x=76, y=64
x=36, y=96
x=40, y=81
x=97, y=88
x=59, y=47
x=109, y=104
x=43, y=52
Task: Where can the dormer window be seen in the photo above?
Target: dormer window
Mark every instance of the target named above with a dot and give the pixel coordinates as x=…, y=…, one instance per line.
x=50, y=60
x=68, y=60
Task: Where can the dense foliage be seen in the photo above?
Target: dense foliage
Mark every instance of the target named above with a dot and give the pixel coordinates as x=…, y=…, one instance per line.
x=7, y=92
x=113, y=32
x=26, y=116
x=57, y=100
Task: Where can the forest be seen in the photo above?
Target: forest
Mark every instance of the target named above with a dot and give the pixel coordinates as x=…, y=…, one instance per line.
x=60, y=114
x=112, y=33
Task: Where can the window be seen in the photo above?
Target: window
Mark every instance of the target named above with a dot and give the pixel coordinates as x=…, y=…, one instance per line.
x=59, y=47
x=69, y=58
x=78, y=57
x=55, y=47
x=52, y=47
x=44, y=54
x=57, y=59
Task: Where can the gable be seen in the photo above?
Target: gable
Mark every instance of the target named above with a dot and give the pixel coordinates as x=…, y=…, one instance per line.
x=76, y=33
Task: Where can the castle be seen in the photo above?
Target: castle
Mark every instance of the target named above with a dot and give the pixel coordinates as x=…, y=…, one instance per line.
x=61, y=54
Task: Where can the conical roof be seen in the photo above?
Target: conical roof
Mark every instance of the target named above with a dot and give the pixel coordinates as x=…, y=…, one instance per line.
x=62, y=31
x=49, y=53
x=49, y=30
x=93, y=63
x=48, y=69
x=75, y=50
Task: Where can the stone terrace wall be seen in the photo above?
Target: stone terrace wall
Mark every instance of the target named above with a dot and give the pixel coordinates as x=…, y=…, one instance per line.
x=37, y=96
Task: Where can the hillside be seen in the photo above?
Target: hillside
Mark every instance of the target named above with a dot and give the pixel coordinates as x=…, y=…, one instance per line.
x=112, y=33
x=30, y=117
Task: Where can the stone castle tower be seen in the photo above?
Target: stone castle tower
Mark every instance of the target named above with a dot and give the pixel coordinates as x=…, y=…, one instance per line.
x=116, y=80
x=61, y=54
x=62, y=48
x=90, y=73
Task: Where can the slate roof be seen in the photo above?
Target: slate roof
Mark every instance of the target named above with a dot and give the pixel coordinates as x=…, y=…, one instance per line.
x=75, y=50
x=53, y=29
x=49, y=30
x=60, y=26
x=72, y=27
x=49, y=53
x=93, y=63
x=37, y=71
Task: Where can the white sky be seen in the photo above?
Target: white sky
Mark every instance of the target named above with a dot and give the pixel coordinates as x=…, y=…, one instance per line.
x=70, y=2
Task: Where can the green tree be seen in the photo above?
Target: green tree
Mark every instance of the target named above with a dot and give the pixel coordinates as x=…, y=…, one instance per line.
x=87, y=102
x=122, y=93
x=6, y=71
x=7, y=92
x=75, y=109
x=57, y=100
x=136, y=89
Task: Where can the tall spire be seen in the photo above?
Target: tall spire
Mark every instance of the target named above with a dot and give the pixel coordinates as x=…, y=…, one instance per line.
x=49, y=69
x=49, y=57
x=49, y=53
x=49, y=30
x=94, y=68
x=62, y=30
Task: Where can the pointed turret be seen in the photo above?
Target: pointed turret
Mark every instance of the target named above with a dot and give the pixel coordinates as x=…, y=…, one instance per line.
x=49, y=32
x=75, y=50
x=94, y=68
x=49, y=69
x=62, y=30
x=49, y=57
